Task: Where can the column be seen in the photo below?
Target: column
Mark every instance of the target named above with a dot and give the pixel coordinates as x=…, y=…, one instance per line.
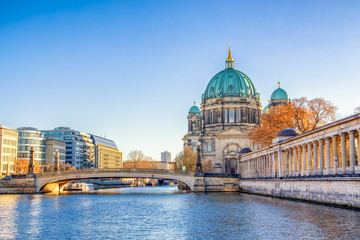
x=273, y=165
x=335, y=153
x=295, y=160
x=343, y=153
x=352, y=151
x=263, y=166
x=280, y=163
x=328, y=157
x=358, y=163
x=309, y=159
x=299, y=160
x=315, y=157
x=303, y=160
x=253, y=168
x=290, y=162
x=321, y=156
x=262, y=162
x=267, y=166
x=285, y=161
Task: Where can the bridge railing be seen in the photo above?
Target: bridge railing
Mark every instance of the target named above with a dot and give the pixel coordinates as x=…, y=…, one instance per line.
x=118, y=170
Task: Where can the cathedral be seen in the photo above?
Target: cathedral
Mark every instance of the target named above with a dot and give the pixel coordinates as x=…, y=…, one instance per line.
x=230, y=108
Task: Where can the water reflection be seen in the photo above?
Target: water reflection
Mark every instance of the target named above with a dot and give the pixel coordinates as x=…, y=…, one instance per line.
x=8, y=216
x=167, y=214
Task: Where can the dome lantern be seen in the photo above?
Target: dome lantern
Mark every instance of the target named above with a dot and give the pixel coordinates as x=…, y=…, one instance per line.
x=229, y=63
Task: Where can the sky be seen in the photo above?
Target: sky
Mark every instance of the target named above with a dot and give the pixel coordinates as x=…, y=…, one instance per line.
x=130, y=70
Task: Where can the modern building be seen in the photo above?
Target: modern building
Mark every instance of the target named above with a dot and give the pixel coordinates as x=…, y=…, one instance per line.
x=107, y=154
x=230, y=107
x=8, y=150
x=80, y=150
x=29, y=137
x=53, y=146
x=279, y=96
x=166, y=156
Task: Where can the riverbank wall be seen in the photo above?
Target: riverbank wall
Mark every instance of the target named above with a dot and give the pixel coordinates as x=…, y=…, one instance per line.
x=216, y=184
x=335, y=191
x=17, y=186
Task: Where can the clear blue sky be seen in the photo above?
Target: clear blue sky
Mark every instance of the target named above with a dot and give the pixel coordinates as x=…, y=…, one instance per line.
x=131, y=69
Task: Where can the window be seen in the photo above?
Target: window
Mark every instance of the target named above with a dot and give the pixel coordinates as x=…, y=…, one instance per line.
x=226, y=115
x=231, y=116
x=236, y=115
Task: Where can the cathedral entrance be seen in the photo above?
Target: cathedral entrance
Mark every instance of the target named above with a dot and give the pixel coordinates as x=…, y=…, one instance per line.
x=231, y=164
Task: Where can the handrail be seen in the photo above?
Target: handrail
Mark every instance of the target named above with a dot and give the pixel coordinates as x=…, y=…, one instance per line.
x=118, y=170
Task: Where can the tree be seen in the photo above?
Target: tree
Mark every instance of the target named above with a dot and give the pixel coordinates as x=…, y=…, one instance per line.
x=278, y=118
x=22, y=166
x=207, y=165
x=186, y=158
x=301, y=114
x=134, y=158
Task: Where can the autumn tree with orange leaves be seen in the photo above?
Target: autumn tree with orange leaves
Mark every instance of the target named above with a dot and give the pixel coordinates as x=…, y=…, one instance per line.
x=301, y=114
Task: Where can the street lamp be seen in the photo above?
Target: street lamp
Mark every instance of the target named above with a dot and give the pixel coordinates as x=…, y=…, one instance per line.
x=199, y=170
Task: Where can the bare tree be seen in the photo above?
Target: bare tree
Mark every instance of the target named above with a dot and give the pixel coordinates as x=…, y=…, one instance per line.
x=135, y=157
x=187, y=159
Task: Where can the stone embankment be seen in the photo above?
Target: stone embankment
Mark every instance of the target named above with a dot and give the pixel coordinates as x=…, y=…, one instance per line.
x=335, y=191
x=10, y=185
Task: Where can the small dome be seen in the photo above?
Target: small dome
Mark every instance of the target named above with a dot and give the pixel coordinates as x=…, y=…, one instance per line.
x=246, y=150
x=194, y=109
x=287, y=132
x=265, y=110
x=279, y=94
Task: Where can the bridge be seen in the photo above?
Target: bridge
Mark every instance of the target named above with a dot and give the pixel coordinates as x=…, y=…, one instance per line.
x=56, y=181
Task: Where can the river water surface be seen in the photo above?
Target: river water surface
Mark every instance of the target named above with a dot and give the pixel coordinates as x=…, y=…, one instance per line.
x=164, y=213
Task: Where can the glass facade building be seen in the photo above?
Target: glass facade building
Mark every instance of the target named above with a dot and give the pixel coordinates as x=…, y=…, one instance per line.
x=79, y=150
x=29, y=137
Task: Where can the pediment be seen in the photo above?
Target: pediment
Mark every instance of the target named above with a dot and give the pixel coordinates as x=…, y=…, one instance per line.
x=230, y=131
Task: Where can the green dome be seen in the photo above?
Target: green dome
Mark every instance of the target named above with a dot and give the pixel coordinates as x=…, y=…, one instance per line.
x=194, y=109
x=265, y=110
x=279, y=94
x=230, y=83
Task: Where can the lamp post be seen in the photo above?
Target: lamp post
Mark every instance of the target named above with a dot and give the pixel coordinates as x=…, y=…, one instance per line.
x=57, y=163
x=199, y=170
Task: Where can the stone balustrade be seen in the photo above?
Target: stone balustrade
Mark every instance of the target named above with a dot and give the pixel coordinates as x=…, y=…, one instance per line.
x=330, y=150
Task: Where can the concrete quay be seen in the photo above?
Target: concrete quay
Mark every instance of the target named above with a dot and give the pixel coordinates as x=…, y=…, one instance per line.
x=343, y=191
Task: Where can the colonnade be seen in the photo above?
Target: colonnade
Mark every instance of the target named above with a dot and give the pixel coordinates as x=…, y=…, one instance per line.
x=321, y=154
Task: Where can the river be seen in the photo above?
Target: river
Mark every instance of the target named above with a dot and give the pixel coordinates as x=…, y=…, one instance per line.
x=165, y=213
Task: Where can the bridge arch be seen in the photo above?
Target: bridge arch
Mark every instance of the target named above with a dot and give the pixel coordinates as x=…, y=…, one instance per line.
x=55, y=181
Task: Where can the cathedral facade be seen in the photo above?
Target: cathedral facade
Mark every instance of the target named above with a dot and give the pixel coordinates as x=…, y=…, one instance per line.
x=230, y=108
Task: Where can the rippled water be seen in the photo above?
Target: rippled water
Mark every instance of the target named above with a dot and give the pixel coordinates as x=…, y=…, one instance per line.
x=162, y=213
